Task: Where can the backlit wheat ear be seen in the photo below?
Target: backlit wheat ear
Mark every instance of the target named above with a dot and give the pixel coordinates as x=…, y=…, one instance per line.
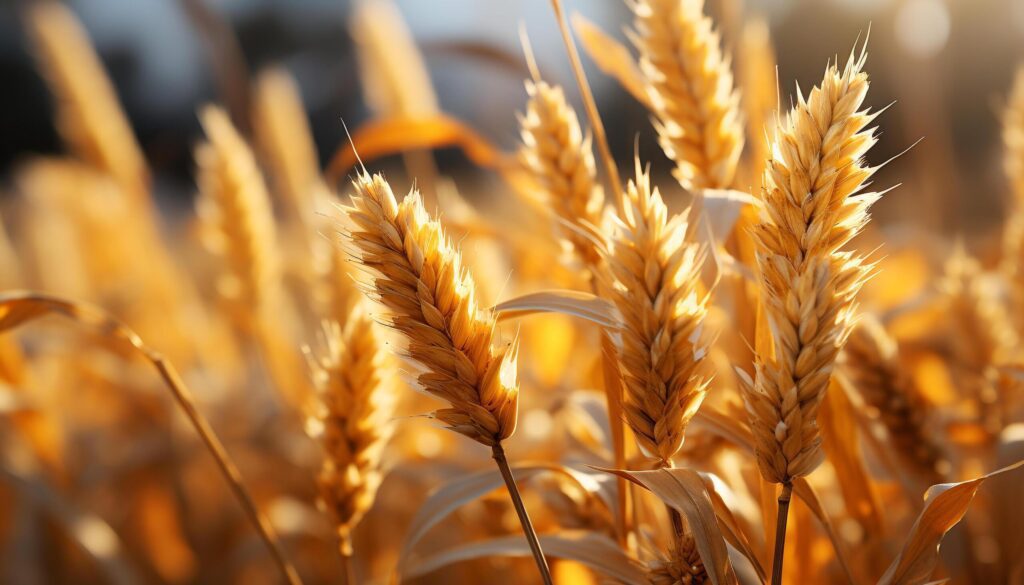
x=560, y=159
x=418, y=276
x=356, y=403
x=691, y=86
x=812, y=207
x=655, y=273
x=235, y=208
x=89, y=116
x=872, y=362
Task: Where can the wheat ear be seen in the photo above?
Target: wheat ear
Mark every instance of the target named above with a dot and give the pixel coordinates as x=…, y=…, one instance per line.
x=89, y=116
x=418, y=276
x=235, y=208
x=654, y=273
x=872, y=361
x=812, y=206
x=356, y=403
x=690, y=84
x=560, y=159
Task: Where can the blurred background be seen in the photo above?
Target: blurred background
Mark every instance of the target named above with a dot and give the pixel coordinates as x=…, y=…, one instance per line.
x=947, y=65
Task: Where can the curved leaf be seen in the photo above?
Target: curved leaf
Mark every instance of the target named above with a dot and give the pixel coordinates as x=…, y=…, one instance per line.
x=684, y=490
x=945, y=505
x=612, y=58
x=596, y=551
x=568, y=302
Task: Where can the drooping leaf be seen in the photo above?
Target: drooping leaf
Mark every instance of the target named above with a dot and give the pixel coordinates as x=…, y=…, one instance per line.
x=568, y=302
x=684, y=490
x=611, y=57
x=459, y=492
x=596, y=551
x=724, y=502
x=945, y=505
x=383, y=137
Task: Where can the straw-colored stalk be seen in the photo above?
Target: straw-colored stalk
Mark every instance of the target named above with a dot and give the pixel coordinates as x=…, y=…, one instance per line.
x=89, y=116
x=760, y=92
x=352, y=422
x=812, y=206
x=873, y=364
x=417, y=275
x=560, y=159
x=695, y=105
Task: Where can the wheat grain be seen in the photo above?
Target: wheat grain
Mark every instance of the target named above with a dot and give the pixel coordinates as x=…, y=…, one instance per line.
x=418, y=276
x=691, y=88
x=88, y=114
x=683, y=566
x=654, y=275
x=352, y=423
x=812, y=207
x=560, y=159
x=872, y=361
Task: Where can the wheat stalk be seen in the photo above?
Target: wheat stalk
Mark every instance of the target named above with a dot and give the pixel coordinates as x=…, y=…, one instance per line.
x=812, y=206
x=88, y=114
x=418, y=276
x=560, y=159
x=356, y=403
x=872, y=360
x=691, y=88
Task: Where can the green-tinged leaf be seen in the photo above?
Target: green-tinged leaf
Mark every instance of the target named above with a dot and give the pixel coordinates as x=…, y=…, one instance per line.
x=596, y=551
x=457, y=493
x=945, y=505
x=806, y=493
x=612, y=58
x=568, y=302
x=684, y=490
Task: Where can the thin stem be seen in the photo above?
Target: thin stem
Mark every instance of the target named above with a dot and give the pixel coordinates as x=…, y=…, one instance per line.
x=588, y=102
x=780, y=532
x=348, y=570
x=498, y=452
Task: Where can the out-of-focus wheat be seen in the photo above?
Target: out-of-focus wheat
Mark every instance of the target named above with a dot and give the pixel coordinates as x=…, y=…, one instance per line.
x=691, y=89
x=760, y=92
x=654, y=283
x=560, y=159
x=418, y=276
x=872, y=361
x=1013, y=164
x=356, y=403
x=89, y=116
x=812, y=207
x=233, y=203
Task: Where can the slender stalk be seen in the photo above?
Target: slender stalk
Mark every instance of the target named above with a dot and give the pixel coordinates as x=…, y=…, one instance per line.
x=588, y=101
x=524, y=518
x=348, y=570
x=780, y=532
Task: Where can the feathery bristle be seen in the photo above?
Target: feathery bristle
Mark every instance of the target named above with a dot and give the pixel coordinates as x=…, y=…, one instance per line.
x=872, y=362
x=808, y=286
x=691, y=88
x=654, y=273
x=560, y=159
x=419, y=277
x=89, y=116
x=356, y=403
x=235, y=208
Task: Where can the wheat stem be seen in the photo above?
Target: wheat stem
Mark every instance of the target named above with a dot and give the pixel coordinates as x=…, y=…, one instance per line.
x=780, y=532
x=498, y=452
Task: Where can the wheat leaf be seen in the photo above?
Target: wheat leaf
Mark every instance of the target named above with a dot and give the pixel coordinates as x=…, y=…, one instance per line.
x=568, y=302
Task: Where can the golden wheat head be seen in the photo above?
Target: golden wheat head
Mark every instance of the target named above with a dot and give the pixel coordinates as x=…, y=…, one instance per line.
x=691, y=88
x=655, y=273
x=418, y=276
x=812, y=206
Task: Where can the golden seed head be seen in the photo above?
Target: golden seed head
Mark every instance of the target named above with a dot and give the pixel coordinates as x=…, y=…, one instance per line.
x=691, y=89
x=418, y=276
x=811, y=207
x=654, y=276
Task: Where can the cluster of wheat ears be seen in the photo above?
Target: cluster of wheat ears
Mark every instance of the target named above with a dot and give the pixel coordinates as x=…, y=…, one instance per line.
x=699, y=378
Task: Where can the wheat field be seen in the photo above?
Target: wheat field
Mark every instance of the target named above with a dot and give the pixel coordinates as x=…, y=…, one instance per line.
x=703, y=365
